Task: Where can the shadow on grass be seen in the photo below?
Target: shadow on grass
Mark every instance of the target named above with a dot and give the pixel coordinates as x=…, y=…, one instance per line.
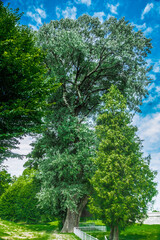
x=140, y=237
x=47, y=227
x=3, y=234
x=128, y=236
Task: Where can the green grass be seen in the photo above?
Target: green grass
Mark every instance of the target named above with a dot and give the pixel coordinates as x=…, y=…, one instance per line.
x=135, y=232
x=16, y=231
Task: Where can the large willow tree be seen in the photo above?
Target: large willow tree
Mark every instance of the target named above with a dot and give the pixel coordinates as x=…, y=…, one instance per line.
x=86, y=56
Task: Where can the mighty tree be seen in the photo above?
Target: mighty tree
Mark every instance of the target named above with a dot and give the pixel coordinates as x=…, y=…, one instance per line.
x=24, y=83
x=123, y=181
x=86, y=56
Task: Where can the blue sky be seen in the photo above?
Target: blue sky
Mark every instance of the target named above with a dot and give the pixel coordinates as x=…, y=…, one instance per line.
x=145, y=16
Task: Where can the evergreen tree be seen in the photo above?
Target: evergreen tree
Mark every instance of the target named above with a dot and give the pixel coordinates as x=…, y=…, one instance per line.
x=123, y=181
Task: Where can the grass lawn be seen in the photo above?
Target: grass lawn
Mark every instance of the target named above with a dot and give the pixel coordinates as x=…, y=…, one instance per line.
x=49, y=231
x=17, y=231
x=135, y=232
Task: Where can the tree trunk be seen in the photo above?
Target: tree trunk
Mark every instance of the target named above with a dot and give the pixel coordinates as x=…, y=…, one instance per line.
x=111, y=233
x=72, y=217
x=114, y=234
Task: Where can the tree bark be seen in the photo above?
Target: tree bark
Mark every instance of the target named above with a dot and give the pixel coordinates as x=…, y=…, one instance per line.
x=111, y=233
x=114, y=234
x=73, y=217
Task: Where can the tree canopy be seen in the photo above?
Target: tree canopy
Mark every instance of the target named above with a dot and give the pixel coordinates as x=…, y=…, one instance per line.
x=123, y=181
x=87, y=57
x=24, y=82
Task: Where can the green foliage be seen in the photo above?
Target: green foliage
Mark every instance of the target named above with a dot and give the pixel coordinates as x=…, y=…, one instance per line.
x=65, y=165
x=123, y=181
x=24, y=83
x=88, y=57
x=19, y=202
x=5, y=180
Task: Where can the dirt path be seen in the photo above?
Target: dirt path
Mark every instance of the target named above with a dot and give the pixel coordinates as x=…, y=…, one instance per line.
x=63, y=237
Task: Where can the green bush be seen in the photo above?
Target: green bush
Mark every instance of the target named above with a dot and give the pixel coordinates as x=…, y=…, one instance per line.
x=19, y=202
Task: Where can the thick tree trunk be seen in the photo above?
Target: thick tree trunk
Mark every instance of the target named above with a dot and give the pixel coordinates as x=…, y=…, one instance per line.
x=114, y=234
x=73, y=218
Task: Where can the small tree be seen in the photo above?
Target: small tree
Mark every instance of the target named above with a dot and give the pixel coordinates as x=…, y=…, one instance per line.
x=123, y=182
x=18, y=202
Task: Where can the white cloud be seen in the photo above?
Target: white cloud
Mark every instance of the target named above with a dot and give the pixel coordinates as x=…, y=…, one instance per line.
x=67, y=13
x=58, y=12
x=140, y=27
x=150, y=99
x=152, y=76
x=41, y=12
x=149, y=130
x=87, y=2
x=147, y=9
x=37, y=16
x=156, y=67
x=109, y=15
x=158, y=89
x=150, y=87
x=100, y=15
x=149, y=62
x=113, y=8
x=148, y=30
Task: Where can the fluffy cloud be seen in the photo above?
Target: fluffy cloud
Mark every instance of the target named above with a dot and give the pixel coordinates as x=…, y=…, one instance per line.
x=67, y=13
x=36, y=17
x=41, y=12
x=148, y=30
x=140, y=27
x=156, y=67
x=149, y=130
x=147, y=9
x=87, y=2
x=113, y=8
x=100, y=15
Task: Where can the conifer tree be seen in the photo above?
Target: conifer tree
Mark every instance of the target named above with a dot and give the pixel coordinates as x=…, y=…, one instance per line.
x=123, y=181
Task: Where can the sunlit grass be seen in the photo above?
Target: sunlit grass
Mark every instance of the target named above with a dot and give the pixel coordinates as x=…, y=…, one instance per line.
x=16, y=231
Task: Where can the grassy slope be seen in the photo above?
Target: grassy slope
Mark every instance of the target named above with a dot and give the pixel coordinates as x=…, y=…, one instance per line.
x=17, y=231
